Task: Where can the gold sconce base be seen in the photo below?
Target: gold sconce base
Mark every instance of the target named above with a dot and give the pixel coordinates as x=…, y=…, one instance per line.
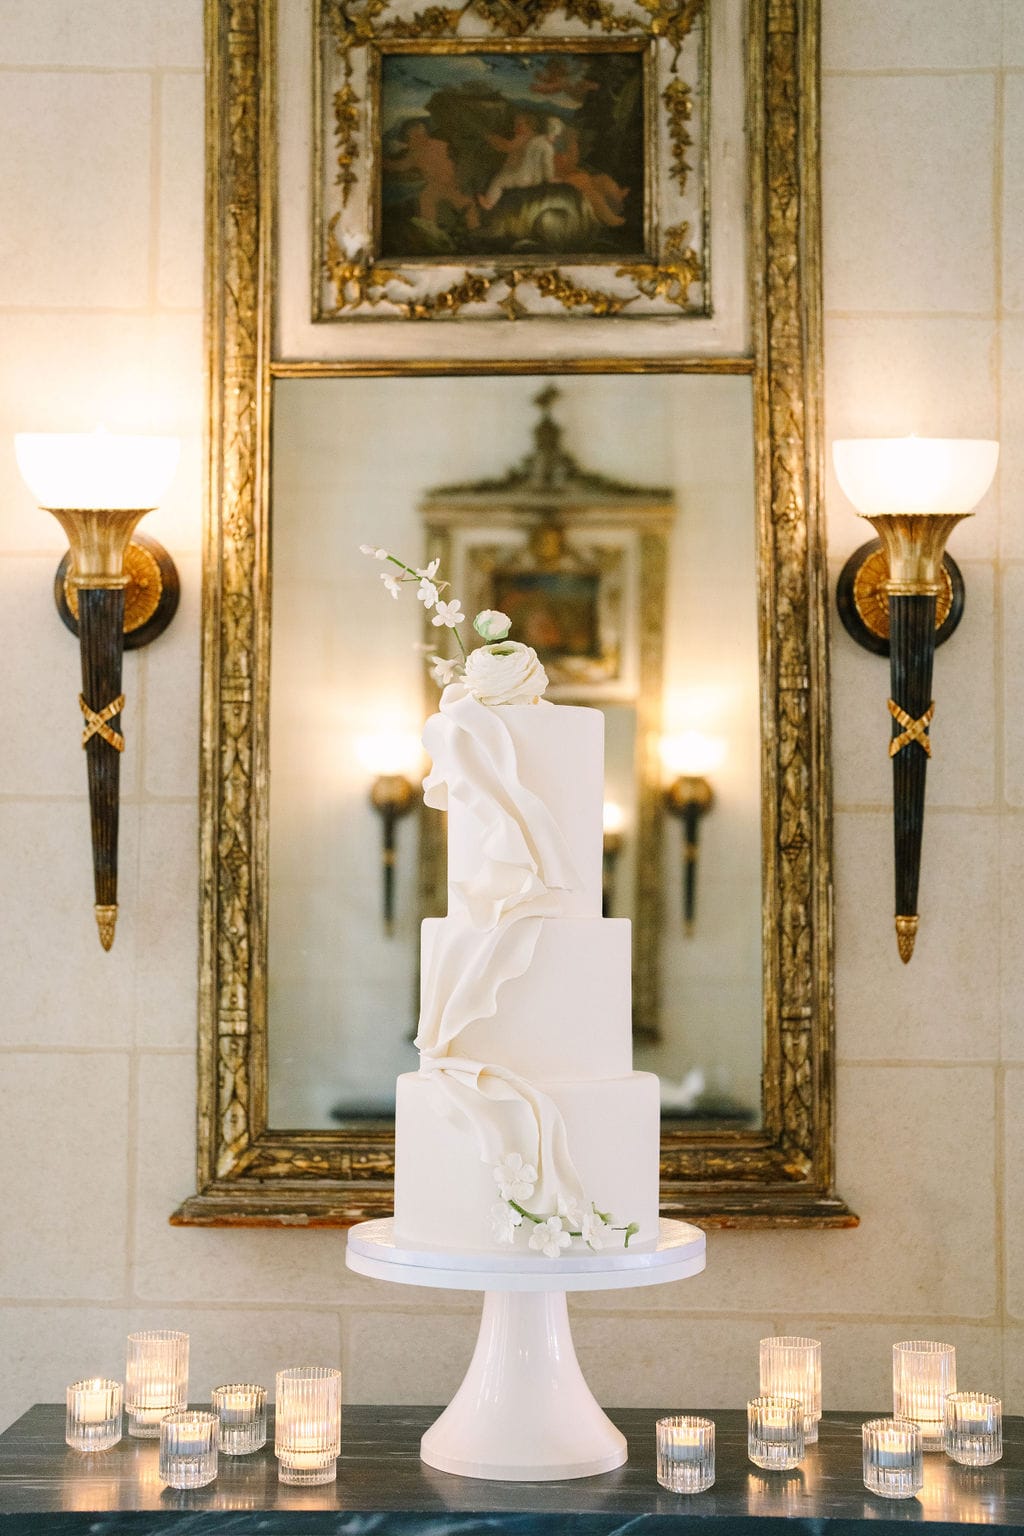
x=150, y=599
x=863, y=601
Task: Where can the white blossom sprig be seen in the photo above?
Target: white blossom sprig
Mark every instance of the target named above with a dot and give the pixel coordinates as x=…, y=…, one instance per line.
x=572, y=1218
x=446, y=614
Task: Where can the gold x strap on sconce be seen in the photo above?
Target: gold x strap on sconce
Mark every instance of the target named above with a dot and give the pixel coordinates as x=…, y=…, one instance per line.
x=96, y=724
x=913, y=730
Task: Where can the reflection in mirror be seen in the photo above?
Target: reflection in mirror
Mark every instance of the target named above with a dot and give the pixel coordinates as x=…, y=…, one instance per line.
x=614, y=518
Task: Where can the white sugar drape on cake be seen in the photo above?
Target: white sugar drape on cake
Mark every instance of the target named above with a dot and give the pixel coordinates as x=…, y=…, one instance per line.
x=505, y=893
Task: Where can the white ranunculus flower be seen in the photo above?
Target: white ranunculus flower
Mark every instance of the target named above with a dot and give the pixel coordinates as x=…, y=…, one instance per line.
x=506, y=673
x=491, y=624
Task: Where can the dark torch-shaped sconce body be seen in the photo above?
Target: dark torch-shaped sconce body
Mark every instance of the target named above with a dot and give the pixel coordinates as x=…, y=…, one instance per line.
x=934, y=484
x=98, y=486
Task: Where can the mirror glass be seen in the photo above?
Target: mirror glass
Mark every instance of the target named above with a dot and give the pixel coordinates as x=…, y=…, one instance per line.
x=615, y=517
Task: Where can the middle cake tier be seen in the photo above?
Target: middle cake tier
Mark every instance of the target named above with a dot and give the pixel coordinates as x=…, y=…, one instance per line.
x=569, y=1016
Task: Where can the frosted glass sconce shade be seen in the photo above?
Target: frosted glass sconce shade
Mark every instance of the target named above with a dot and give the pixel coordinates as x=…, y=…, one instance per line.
x=915, y=474
x=101, y=471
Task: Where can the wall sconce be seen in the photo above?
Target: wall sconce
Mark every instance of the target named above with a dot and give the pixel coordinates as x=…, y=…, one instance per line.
x=98, y=485
x=394, y=757
x=614, y=821
x=913, y=491
x=689, y=758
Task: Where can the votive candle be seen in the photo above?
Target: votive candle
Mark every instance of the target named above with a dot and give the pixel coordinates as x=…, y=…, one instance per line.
x=893, y=1458
x=156, y=1379
x=775, y=1432
x=791, y=1367
x=923, y=1375
x=242, y=1410
x=686, y=1453
x=307, y=1424
x=93, y=1421
x=188, y=1448
x=973, y=1432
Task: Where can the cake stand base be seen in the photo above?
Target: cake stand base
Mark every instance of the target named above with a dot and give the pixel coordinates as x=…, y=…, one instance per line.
x=524, y=1412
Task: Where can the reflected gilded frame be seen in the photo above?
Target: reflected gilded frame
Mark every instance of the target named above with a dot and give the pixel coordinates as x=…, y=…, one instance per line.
x=780, y=1174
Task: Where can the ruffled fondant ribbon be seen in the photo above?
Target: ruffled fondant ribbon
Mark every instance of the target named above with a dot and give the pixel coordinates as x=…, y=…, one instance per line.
x=505, y=893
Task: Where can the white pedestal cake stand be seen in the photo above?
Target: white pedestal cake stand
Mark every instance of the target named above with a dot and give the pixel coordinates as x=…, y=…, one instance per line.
x=524, y=1413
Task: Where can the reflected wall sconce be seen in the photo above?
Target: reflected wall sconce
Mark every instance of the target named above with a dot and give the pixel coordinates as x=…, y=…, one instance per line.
x=393, y=757
x=614, y=822
x=904, y=596
x=690, y=757
x=110, y=589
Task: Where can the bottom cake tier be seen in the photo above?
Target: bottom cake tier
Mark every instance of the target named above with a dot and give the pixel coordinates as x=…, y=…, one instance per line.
x=445, y=1193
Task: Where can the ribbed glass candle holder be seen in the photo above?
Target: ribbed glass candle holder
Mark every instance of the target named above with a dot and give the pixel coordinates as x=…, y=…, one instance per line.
x=93, y=1421
x=188, y=1448
x=686, y=1453
x=775, y=1432
x=156, y=1379
x=242, y=1410
x=973, y=1431
x=791, y=1367
x=307, y=1424
x=923, y=1375
x=893, y=1458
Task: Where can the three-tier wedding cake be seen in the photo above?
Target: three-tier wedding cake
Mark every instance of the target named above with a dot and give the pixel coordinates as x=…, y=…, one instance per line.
x=526, y=1123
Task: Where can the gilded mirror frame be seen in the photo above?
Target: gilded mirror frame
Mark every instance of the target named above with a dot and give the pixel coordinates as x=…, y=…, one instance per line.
x=780, y=1174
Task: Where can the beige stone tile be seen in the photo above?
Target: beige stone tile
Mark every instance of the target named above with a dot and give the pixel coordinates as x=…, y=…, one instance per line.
x=59, y=986
x=229, y=1343
x=104, y=34
x=1013, y=192
x=166, y=978
x=1013, y=33
x=1011, y=868
x=1013, y=1173
x=180, y=249
x=944, y=1005
x=1013, y=684
x=170, y=729
x=633, y=1361
x=910, y=34
x=418, y=1355
x=889, y=243
x=1011, y=449
x=186, y=1265
x=962, y=770
x=72, y=1111
x=916, y=1251
x=75, y=179
x=1013, y=1370
x=46, y=1347
x=856, y=1357
x=885, y=377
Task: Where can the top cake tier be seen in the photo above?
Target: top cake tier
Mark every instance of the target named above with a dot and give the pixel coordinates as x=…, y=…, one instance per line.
x=560, y=755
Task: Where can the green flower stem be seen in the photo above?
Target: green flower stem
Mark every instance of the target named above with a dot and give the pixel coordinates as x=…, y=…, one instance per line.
x=630, y=1231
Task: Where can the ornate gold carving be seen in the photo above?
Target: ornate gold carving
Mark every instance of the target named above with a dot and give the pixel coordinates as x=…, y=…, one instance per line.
x=915, y=543
x=778, y=1175
x=871, y=596
x=142, y=594
x=913, y=730
x=358, y=283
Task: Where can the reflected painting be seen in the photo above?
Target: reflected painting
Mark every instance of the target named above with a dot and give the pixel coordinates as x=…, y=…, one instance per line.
x=522, y=154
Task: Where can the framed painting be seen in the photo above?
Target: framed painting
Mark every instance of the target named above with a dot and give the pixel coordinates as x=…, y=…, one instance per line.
x=478, y=172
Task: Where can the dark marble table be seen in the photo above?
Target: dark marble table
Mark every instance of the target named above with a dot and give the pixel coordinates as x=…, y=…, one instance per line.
x=384, y=1490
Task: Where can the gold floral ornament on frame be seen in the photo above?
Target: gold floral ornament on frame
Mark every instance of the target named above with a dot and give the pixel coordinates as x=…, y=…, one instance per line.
x=511, y=160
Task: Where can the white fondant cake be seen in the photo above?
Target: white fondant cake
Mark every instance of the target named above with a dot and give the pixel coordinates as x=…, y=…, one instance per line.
x=525, y=1028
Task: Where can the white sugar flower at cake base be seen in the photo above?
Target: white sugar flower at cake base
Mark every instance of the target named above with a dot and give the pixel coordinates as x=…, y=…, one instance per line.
x=550, y=1237
x=505, y=1219
x=593, y=1228
x=516, y=1179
